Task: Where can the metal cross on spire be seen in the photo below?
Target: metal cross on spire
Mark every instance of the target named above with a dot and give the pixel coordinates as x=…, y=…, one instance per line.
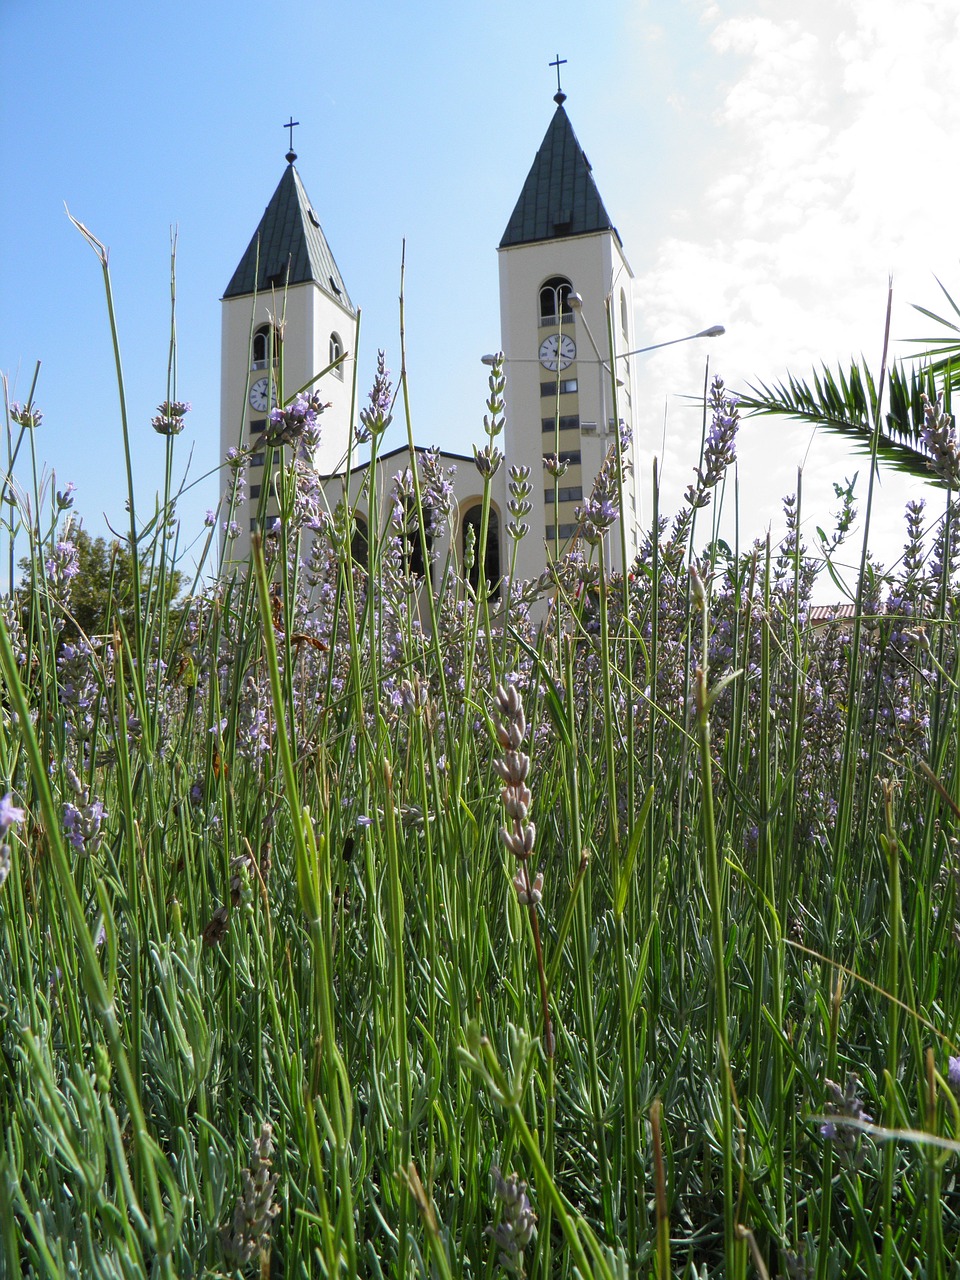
x=291, y=125
x=559, y=97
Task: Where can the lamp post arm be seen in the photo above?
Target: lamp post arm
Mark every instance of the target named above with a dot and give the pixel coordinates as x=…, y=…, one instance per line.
x=714, y=331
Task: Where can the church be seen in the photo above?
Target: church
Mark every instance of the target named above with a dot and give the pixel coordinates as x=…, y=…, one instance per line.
x=567, y=336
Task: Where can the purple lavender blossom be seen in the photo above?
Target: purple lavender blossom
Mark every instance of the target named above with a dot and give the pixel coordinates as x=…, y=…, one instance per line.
x=946, y=549
x=518, y=1224
x=376, y=417
x=403, y=484
x=309, y=505
x=939, y=437
x=169, y=417
x=288, y=423
x=719, y=452
x=487, y=460
x=253, y=723
x=309, y=443
x=63, y=565
x=247, y=1236
x=436, y=492
x=78, y=688
x=83, y=824
x=25, y=415
x=519, y=506
x=843, y=1106
x=601, y=509
x=953, y=1075
x=9, y=814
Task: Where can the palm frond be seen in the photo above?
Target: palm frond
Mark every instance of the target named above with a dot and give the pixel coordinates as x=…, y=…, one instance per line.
x=941, y=352
x=845, y=402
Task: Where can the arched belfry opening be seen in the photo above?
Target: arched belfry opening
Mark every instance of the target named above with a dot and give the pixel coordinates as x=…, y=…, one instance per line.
x=490, y=556
x=264, y=345
x=555, y=300
x=412, y=543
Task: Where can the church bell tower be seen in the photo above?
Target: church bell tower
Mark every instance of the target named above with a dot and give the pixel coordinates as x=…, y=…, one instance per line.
x=286, y=315
x=562, y=270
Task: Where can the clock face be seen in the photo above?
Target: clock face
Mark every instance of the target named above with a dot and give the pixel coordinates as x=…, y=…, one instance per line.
x=557, y=352
x=259, y=397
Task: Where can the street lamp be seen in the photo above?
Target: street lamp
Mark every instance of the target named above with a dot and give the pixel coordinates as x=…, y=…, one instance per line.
x=714, y=331
x=576, y=305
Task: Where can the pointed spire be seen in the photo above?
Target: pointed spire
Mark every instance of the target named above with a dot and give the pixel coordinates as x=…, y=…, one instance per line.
x=288, y=247
x=559, y=198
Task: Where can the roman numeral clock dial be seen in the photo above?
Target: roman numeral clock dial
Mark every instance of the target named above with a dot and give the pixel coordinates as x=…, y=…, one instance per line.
x=557, y=352
x=259, y=398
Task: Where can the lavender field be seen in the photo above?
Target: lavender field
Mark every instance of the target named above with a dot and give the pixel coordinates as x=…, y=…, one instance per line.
x=601, y=926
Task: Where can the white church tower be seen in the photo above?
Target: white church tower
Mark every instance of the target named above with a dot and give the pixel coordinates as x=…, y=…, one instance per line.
x=286, y=315
x=561, y=265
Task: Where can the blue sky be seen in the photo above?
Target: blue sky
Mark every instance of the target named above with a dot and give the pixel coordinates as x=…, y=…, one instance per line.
x=765, y=172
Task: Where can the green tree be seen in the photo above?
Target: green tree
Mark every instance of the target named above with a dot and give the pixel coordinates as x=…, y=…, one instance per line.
x=101, y=593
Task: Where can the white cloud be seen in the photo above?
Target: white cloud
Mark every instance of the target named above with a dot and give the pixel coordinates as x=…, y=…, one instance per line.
x=828, y=168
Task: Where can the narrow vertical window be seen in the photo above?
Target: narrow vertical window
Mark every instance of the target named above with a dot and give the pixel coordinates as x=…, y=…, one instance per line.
x=336, y=351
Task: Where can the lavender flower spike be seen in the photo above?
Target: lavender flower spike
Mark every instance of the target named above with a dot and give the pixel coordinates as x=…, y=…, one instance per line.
x=9, y=814
x=719, y=452
x=939, y=436
x=169, y=417
x=248, y=1234
x=518, y=1226
x=376, y=417
x=842, y=1106
x=25, y=415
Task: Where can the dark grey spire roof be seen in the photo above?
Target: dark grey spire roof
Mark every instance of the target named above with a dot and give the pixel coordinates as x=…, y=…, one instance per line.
x=559, y=197
x=291, y=247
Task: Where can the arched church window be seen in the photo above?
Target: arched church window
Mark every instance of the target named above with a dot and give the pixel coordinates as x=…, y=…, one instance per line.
x=358, y=543
x=336, y=351
x=555, y=299
x=411, y=540
x=263, y=340
x=472, y=519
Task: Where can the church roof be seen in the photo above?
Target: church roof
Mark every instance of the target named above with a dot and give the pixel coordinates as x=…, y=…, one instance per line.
x=559, y=197
x=288, y=247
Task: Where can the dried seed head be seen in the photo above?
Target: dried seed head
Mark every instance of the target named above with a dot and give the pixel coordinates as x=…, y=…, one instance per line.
x=249, y=1231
